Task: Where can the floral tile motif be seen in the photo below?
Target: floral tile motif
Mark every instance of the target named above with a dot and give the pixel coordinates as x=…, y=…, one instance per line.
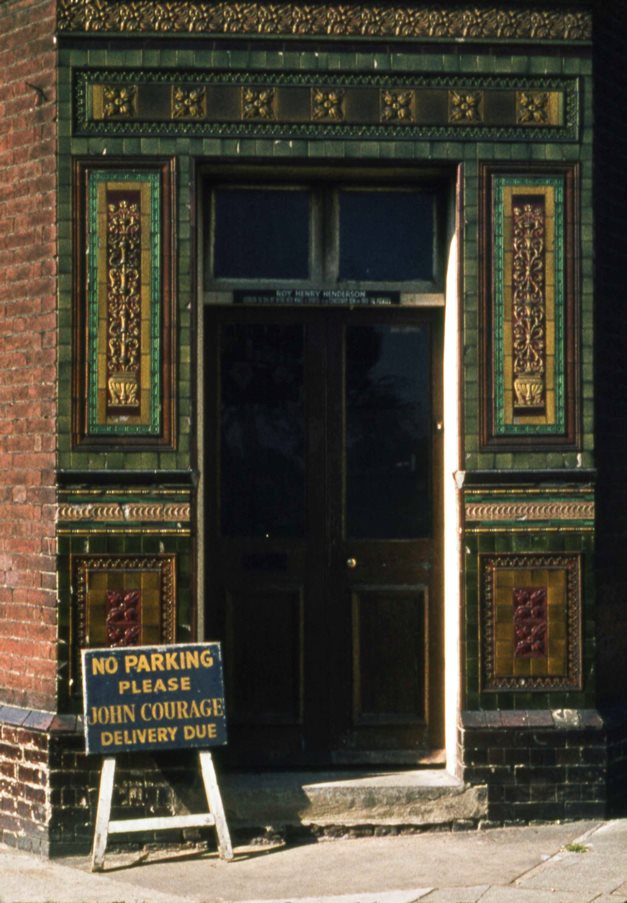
x=465, y=106
x=327, y=105
x=189, y=103
x=397, y=106
x=258, y=103
x=530, y=621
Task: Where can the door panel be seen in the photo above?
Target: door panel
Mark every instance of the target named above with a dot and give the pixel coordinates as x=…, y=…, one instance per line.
x=389, y=649
x=264, y=636
x=322, y=571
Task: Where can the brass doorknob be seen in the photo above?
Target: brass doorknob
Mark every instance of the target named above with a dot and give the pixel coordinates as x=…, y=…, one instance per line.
x=351, y=563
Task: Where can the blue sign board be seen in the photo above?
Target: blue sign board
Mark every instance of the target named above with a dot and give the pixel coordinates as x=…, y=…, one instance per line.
x=141, y=698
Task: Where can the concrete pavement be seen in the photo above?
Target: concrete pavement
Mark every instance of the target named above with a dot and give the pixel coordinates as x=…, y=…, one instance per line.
x=577, y=862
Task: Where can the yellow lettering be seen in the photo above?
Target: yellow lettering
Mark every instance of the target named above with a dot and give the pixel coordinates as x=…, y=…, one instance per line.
x=130, y=662
x=107, y=665
x=156, y=661
x=206, y=659
x=106, y=738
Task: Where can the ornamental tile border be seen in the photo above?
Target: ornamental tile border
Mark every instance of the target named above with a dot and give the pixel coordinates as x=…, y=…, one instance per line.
x=529, y=511
x=317, y=105
x=302, y=20
x=118, y=512
x=113, y=511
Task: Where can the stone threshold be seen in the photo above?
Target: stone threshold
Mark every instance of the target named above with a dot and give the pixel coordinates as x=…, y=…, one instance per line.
x=419, y=797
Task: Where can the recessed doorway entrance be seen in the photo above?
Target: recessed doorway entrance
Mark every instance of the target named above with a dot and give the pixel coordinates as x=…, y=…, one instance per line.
x=322, y=571
x=322, y=461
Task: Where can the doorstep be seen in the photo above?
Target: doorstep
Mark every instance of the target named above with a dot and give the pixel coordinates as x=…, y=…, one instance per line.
x=420, y=798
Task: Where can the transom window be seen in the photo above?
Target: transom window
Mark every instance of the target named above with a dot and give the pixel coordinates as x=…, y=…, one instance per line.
x=325, y=235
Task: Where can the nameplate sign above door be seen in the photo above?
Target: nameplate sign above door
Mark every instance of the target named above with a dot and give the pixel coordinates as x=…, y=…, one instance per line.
x=306, y=296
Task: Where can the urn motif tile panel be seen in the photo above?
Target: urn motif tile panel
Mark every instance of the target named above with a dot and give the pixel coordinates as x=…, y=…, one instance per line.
x=529, y=310
x=123, y=304
x=530, y=621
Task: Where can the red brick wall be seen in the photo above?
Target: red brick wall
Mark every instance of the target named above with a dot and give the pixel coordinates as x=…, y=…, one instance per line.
x=27, y=353
x=24, y=792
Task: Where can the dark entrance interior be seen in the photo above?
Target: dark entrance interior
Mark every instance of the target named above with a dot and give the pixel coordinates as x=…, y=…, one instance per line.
x=322, y=499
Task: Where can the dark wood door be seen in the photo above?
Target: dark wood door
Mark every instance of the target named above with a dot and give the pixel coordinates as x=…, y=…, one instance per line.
x=322, y=496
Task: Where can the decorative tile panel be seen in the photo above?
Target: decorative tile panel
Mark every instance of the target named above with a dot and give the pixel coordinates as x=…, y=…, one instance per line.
x=398, y=106
x=123, y=617
x=531, y=621
x=161, y=511
x=118, y=102
x=355, y=20
x=528, y=308
x=503, y=510
x=293, y=104
x=327, y=105
x=123, y=305
x=188, y=103
x=258, y=103
x=465, y=106
x=122, y=600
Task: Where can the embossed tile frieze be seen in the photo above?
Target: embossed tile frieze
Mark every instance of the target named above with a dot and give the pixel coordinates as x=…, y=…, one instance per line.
x=427, y=21
x=285, y=103
x=511, y=510
x=168, y=511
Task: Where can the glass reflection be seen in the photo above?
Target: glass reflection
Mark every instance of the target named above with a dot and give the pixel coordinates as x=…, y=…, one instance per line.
x=263, y=430
x=388, y=432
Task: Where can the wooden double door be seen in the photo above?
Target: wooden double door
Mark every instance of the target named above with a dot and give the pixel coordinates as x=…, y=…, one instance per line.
x=322, y=496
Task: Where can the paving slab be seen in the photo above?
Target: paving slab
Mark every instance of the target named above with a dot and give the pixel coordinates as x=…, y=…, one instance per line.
x=395, y=896
x=506, y=865
x=459, y=894
x=354, y=866
x=27, y=879
x=601, y=866
x=520, y=895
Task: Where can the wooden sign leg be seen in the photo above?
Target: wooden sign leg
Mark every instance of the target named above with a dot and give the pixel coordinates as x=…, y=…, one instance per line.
x=103, y=814
x=215, y=804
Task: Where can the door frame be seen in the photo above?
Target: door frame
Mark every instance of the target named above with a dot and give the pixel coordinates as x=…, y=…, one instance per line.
x=449, y=180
